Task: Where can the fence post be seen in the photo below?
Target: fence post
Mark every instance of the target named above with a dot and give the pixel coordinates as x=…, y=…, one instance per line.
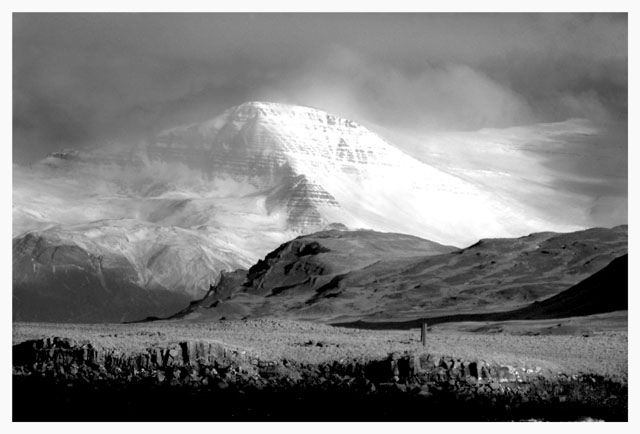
x=423, y=333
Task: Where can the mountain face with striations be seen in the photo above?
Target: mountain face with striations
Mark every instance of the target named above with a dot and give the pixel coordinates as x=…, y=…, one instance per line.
x=318, y=168
x=121, y=233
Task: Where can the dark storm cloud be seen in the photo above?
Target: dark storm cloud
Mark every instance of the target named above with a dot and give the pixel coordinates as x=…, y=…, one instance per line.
x=80, y=79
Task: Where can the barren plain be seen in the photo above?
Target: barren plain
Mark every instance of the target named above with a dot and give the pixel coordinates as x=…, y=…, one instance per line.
x=595, y=344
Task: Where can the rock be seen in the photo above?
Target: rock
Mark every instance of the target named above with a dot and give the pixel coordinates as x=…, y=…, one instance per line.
x=394, y=368
x=175, y=354
x=414, y=364
x=370, y=387
x=221, y=384
x=464, y=369
x=505, y=375
x=441, y=374
x=485, y=372
x=259, y=386
x=424, y=392
x=426, y=362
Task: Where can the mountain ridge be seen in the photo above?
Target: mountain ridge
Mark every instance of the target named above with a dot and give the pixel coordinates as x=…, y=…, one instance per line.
x=489, y=276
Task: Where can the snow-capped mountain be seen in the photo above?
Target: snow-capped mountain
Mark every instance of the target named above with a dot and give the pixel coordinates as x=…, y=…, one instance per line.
x=319, y=168
x=167, y=216
x=118, y=270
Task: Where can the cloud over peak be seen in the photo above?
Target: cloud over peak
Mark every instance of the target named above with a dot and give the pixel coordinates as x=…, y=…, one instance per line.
x=80, y=79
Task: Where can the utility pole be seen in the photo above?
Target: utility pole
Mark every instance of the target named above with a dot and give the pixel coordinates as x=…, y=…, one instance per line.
x=423, y=333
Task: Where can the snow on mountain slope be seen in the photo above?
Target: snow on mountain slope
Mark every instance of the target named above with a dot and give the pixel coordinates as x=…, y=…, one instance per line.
x=351, y=175
x=302, y=165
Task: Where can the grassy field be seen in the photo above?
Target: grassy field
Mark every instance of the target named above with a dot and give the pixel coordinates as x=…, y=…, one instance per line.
x=596, y=344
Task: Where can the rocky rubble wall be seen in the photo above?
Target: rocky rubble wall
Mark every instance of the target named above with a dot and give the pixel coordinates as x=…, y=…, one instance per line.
x=65, y=356
x=399, y=381
x=61, y=356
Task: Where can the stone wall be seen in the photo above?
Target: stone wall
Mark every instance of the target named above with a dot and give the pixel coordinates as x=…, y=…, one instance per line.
x=236, y=379
x=60, y=355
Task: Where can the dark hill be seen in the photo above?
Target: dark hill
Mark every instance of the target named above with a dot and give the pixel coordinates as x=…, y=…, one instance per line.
x=605, y=291
x=341, y=277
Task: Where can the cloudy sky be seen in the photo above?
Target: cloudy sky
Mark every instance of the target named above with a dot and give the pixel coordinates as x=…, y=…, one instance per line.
x=84, y=79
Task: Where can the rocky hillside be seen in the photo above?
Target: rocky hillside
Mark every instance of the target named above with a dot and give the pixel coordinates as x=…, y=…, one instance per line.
x=313, y=278
x=604, y=292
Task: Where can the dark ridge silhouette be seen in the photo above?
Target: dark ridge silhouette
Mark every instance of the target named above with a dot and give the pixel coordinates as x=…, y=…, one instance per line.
x=602, y=292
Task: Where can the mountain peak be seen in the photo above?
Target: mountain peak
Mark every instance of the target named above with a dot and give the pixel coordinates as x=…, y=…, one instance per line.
x=264, y=105
x=353, y=175
x=292, y=112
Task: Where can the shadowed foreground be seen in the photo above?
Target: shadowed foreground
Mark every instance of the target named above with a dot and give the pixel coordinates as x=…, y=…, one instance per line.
x=142, y=401
x=274, y=370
